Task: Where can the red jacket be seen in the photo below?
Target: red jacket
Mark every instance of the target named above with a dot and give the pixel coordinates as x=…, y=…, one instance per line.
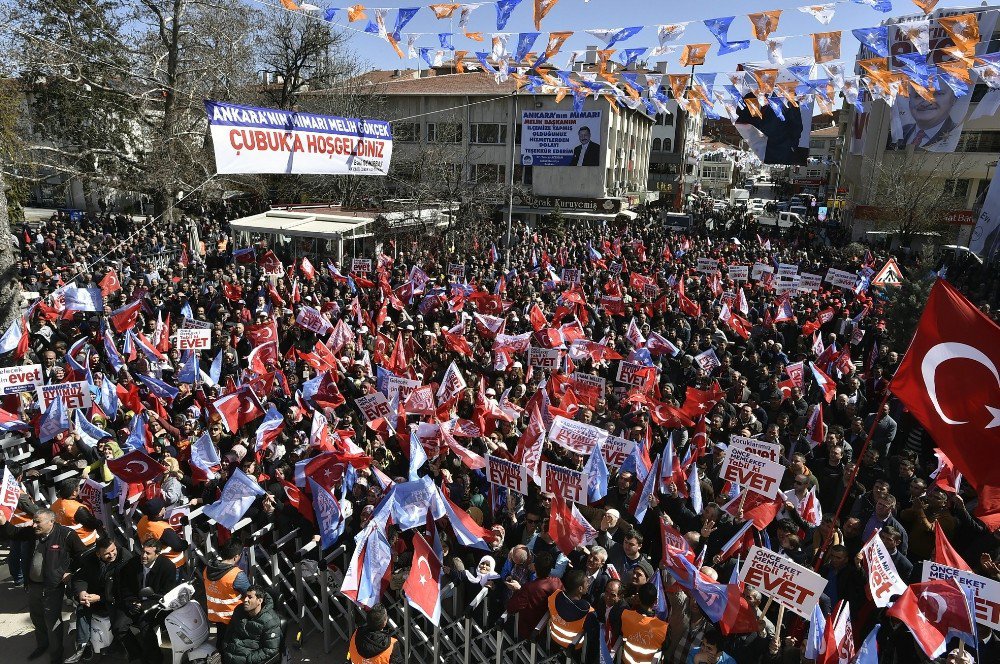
x=530, y=603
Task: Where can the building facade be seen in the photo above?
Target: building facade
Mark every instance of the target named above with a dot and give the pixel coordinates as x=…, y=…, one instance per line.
x=467, y=127
x=961, y=167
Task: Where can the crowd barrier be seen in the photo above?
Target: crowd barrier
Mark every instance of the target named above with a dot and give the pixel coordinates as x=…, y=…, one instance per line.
x=307, y=582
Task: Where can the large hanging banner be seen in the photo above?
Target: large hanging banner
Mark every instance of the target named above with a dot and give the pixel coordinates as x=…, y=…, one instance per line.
x=561, y=138
x=264, y=140
x=934, y=121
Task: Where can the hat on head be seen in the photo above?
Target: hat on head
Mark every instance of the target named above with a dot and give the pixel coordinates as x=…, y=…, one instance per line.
x=645, y=567
x=154, y=506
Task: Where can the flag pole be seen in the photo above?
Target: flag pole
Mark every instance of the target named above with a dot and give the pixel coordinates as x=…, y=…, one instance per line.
x=854, y=473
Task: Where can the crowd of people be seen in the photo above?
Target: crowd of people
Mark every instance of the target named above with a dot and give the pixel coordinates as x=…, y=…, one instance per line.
x=296, y=344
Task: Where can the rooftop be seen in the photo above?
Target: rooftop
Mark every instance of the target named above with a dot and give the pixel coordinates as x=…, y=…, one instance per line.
x=832, y=131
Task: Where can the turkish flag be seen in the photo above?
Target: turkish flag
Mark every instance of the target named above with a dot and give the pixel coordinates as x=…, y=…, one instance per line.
x=238, y=408
x=423, y=584
x=264, y=358
x=564, y=527
x=110, y=283
x=420, y=401
x=457, y=343
x=298, y=501
x=308, y=271
x=944, y=554
x=231, y=291
x=949, y=380
x=262, y=332
x=930, y=610
x=537, y=318
x=124, y=317
x=136, y=467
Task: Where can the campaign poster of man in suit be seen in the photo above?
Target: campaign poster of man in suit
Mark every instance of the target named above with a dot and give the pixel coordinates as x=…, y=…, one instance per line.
x=934, y=126
x=587, y=153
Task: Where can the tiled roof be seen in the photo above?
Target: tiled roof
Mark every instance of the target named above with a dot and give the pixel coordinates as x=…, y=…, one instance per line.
x=473, y=83
x=826, y=132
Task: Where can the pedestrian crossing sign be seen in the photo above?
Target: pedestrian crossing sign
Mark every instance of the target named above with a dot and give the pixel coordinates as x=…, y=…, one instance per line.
x=889, y=275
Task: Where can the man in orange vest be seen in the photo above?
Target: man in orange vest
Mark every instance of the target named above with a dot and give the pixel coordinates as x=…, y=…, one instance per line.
x=225, y=584
x=571, y=616
x=73, y=514
x=643, y=634
x=371, y=644
x=153, y=526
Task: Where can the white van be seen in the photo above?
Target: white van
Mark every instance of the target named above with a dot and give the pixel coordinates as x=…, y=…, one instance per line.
x=789, y=219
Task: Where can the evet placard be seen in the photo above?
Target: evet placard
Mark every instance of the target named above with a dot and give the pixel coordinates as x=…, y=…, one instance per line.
x=572, y=483
x=543, y=358
x=373, y=406
x=739, y=272
x=194, y=338
x=20, y=378
x=510, y=475
x=312, y=320
x=708, y=265
x=630, y=373
x=399, y=389
x=616, y=449
x=810, y=282
x=770, y=451
x=571, y=275
x=787, y=269
x=456, y=270
x=883, y=579
x=10, y=491
x=73, y=395
x=576, y=436
x=793, y=586
x=986, y=591
x=841, y=278
x=361, y=265
x=748, y=469
x=760, y=269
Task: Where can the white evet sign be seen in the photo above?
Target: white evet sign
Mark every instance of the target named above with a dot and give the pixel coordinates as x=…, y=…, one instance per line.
x=883, y=579
x=748, y=469
x=20, y=378
x=193, y=338
x=510, y=475
x=793, y=586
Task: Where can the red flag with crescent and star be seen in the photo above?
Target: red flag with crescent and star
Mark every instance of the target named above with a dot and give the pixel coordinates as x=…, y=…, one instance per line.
x=931, y=610
x=135, y=467
x=423, y=584
x=950, y=381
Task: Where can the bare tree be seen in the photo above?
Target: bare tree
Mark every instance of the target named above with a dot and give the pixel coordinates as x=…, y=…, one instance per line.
x=912, y=192
x=301, y=53
x=10, y=290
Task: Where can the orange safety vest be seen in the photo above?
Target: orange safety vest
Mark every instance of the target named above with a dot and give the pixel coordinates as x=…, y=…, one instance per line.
x=381, y=658
x=222, y=596
x=66, y=509
x=642, y=637
x=155, y=529
x=562, y=631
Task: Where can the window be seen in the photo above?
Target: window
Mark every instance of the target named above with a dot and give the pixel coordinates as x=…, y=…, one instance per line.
x=656, y=145
x=444, y=132
x=714, y=172
x=406, y=132
x=814, y=173
x=666, y=119
x=959, y=189
x=524, y=174
x=487, y=173
x=665, y=169
x=979, y=141
x=817, y=143
x=488, y=134
x=668, y=145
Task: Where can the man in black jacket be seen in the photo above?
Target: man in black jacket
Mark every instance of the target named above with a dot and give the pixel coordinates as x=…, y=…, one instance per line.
x=254, y=635
x=97, y=591
x=55, y=555
x=371, y=641
x=148, y=579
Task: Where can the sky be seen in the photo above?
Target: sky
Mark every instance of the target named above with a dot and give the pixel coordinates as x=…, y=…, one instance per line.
x=580, y=15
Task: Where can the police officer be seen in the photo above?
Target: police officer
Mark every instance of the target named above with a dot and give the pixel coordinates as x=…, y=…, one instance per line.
x=225, y=584
x=26, y=508
x=371, y=645
x=54, y=555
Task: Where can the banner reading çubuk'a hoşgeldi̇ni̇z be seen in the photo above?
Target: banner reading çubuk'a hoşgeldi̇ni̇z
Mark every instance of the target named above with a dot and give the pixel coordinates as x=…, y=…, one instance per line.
x=265, y=140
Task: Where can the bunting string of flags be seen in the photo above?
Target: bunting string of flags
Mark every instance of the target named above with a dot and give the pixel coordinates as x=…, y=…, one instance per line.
x=783, y=82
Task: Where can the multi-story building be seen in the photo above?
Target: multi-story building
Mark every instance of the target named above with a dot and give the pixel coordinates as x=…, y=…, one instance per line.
x=819, y=176
x=468, y=128
x=715, y=170
x=671, y=132
x=961, y=167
